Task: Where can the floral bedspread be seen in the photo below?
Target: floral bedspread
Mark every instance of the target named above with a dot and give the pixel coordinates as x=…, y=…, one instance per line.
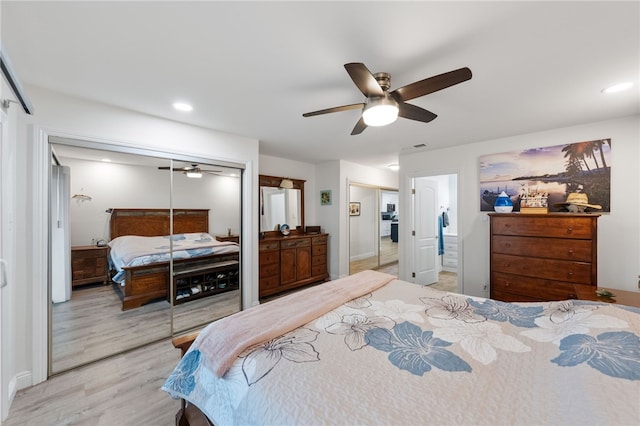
x=408, y=354
x=134, y=250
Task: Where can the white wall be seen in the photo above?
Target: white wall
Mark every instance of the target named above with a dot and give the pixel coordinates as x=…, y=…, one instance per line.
x=112, y=185
x=65, y=116
x=618, y=231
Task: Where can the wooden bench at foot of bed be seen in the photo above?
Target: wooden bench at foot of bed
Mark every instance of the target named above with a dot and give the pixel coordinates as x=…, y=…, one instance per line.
x=147, y=283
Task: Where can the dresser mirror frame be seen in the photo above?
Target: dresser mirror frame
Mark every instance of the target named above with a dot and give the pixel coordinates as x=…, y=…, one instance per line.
x=274, y=182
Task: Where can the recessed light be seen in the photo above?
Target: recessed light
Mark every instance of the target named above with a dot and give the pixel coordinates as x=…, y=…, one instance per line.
x=181, y=106
x=106, y=160
x=618, y=87
x=394, y=167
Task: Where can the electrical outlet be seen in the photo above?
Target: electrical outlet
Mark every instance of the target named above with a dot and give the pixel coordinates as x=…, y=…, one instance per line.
x=486, y=287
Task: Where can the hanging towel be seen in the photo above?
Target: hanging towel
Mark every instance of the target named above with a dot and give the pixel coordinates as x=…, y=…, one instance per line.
x=445, y=219
x=440, y=236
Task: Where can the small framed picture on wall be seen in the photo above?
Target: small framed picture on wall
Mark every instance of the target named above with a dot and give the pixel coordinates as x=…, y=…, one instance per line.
x=325, y=197
x=354, y=209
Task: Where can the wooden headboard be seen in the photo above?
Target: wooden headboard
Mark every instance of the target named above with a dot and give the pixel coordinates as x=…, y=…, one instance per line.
x=154, y=222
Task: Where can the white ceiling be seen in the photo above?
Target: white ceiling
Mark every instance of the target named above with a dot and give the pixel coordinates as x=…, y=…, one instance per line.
x=253, y=68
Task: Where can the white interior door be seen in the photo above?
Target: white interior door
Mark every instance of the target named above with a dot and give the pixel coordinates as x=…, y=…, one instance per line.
x=426, y=231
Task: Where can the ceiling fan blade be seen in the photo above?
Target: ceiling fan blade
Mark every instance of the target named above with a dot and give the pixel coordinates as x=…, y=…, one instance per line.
x=359, y=127
x=431, y=84
x=413, y=112
x=175, y=169
x=334, y=109
x=363, y=78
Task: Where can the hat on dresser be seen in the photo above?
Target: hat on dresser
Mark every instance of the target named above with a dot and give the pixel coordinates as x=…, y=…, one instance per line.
x=578, y=199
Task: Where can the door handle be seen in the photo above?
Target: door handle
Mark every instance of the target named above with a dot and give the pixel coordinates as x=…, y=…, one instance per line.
x=3, y=273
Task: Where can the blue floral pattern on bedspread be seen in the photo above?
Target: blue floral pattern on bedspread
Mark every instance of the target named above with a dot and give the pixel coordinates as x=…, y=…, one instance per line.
x=412, y=349
x=436, y=333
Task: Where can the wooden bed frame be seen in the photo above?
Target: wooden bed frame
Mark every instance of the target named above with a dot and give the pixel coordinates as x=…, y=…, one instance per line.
x=151, y=282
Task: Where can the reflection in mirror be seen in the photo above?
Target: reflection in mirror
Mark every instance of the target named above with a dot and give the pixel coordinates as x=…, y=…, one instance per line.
x=206, y=287
x=279, y=205
x=87, y=319
x=98, y=309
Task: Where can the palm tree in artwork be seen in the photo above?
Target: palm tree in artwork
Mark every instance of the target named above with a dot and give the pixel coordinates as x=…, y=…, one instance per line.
x=598, y=146
x=575, y=151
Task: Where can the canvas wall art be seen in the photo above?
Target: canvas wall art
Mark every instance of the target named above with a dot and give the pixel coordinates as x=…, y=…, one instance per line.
x=555, y=171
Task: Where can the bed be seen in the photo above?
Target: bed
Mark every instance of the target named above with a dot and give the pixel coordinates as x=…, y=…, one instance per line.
x=400, y=353
x=140, y=253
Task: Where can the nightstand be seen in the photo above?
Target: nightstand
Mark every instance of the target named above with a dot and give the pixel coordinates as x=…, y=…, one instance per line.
x=232, y=238
x=89, y=264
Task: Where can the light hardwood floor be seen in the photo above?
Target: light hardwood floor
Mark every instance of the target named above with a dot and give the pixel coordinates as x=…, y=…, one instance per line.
x=388, y=255
x=92, y=325
x=118, y=391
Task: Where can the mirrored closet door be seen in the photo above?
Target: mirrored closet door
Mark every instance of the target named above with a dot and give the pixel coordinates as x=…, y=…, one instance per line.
x=121, y=225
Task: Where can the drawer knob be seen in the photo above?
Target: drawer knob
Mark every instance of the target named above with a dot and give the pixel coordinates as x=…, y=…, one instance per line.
x=571, y=296
x=507, y=283
x=570, y=273
x=507, y=265
x=570, y=251
x=569, y=229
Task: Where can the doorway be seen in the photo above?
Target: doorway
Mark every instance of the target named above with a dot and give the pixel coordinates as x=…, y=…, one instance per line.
x=373, y=228
x=436, y=249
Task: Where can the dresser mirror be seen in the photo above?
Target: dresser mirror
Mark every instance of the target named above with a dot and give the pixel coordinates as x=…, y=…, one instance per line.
x=281, y=202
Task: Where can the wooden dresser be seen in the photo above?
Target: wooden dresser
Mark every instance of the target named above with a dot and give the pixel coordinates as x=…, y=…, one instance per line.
x=542, y=257
x=89, y=264
x=292, y=261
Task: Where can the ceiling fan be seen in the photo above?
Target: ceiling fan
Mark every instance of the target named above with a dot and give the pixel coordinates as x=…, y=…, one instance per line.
x=383, y=107
x=193, y=171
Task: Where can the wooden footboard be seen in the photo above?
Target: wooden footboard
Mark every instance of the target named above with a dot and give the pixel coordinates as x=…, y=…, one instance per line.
x=144, y=284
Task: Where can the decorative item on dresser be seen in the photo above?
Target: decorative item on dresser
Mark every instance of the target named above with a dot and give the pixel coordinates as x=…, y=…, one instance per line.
x=542, y=257
x=89, y=265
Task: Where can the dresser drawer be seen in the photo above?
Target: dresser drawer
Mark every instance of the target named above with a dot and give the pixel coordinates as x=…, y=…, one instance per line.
x=269, y=245
x=322, y=239
x=558, y=270
x=555, y=226
x=549, y=248
x=319, y=250
x=269, y=284
x=318, y=270
x=303, y=242
x=269, y=270
x=269, y=257
x=531, y=288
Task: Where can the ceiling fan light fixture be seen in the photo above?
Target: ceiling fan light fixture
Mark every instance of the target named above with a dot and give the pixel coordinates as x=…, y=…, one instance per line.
x=286, y=184
x=194, y=174
x=380, y=111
